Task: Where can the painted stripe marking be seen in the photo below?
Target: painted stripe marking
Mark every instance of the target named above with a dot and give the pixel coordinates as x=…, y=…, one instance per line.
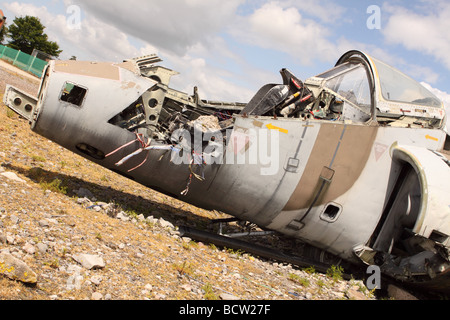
x=431, y=138
x=272, y=127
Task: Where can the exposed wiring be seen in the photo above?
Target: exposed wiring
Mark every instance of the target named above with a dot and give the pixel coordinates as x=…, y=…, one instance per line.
x=197, y=159
x=145, y=146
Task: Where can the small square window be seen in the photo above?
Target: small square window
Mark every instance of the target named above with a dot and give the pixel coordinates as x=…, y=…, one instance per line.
x=331, y=212
x=73, y=94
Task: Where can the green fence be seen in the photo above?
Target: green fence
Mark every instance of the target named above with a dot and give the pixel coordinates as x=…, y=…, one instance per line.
x=22, y=60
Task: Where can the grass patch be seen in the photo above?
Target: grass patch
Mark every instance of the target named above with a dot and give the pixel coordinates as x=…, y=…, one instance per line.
x=310, y=270
x=185, y=268
x=10, y=113
x=38, y=158
x=209, y=293
x=335, y=273
x=55, y=186
x=297, y=279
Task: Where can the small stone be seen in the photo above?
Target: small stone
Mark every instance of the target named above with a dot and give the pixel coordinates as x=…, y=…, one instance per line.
x=102, y=204
x=10, y=239
x=227, y=296
x=186, y=239
x=97, y=296
x=84, y=201
x=148, y=287
x=165, y=224
x=354, y=294
x=14, y=219
x=43, y=223
x=12, y=176
x=160, y=296
x=74, y=281
x=84, y=193
x=151, y=219
x=16, y=269
x=89, y=261
x=122, y=216
x=42, y=247
x=96, y=280
x=29, y=248
x=186, y=287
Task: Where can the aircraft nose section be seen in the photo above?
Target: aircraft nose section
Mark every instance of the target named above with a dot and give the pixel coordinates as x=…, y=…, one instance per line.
x=20, y=102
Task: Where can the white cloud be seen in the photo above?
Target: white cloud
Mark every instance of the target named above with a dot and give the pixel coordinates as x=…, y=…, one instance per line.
x=424, y=31
x=326, y=11
x=186, y=35
x=108, y=40
x=192, y=36
x=278, y=27
x=173, y=25
x=213, y=82
x=95, y=40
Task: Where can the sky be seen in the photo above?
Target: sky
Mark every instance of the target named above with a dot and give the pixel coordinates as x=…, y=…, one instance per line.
x=229, y=49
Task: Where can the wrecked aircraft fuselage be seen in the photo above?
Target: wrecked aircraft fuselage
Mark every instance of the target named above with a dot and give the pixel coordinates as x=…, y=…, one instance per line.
x=347, y=161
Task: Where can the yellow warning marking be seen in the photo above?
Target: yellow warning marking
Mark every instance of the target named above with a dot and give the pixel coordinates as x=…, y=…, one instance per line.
x=272, y=127
x=431, y=138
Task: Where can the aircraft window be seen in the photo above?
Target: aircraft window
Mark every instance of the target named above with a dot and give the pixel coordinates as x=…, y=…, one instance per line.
x=73, y=94
x=396, y=86
x=352, y=85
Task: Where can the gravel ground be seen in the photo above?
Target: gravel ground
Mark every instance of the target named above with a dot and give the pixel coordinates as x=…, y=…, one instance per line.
x=87, y=233
x=17, y=78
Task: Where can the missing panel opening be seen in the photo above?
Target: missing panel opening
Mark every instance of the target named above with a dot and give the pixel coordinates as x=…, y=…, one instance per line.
x=131, y=118
x=438, y=236
x=73, y=94
x=90, y=151
x=331, y=212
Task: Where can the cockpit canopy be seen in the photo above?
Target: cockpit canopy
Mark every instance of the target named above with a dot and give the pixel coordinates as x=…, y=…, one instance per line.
x=350, y=81
x=398, y=87
x=371, y=89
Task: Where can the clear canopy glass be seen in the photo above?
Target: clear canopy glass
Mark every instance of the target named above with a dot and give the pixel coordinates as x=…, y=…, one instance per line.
x=396, y=86
x=349, y=80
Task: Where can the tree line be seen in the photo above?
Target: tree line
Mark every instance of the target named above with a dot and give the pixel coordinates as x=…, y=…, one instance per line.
x=27, y=33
